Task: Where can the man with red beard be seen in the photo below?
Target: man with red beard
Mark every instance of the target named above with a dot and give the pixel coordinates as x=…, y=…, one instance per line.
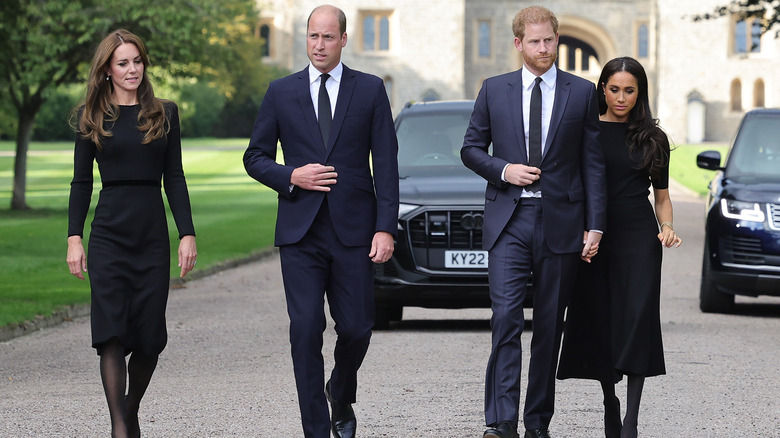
x=545, y=206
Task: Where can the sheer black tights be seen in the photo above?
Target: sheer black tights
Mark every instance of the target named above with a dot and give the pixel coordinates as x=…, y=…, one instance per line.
x=612, y=424
x=123, y=408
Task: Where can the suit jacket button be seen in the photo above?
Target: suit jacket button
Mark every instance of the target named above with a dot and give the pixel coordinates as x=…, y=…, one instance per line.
x=515, y=200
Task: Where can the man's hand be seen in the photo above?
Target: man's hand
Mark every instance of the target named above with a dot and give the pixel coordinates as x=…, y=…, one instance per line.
x=590, y=242
x=521, y=175
x=381, y=247
x=314, y=176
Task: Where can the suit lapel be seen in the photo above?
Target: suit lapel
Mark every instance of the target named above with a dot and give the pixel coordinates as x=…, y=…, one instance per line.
x=307, y=108
x=515, y=100
x=346, y=89
x=562, y=88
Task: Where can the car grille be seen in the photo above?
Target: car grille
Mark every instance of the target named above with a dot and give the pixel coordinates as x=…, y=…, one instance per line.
x=742, y=250
x=774, y=216
x=455, y=229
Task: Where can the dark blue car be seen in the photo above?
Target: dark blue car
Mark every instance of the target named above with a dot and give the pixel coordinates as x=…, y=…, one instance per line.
x=742, y=239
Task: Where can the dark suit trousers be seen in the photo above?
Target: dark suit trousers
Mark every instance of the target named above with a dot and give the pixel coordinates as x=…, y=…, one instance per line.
x=519, y=250
x=317, y=266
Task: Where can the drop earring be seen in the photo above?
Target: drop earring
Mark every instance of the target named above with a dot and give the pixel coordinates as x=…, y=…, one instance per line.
x=108, y=77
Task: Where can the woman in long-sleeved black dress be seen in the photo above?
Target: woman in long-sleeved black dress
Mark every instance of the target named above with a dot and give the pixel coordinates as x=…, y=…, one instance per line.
x=613, y=325
x=134, y=137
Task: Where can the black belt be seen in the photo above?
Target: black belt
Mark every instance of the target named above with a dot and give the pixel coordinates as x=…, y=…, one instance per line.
x=132, y=182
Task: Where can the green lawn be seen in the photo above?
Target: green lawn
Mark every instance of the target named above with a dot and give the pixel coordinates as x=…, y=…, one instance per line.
x=682, y=167
x=234, y=217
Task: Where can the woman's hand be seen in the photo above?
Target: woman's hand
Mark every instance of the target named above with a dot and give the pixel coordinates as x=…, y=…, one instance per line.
x=188, y=254
x=77, y=258
x=668, y=237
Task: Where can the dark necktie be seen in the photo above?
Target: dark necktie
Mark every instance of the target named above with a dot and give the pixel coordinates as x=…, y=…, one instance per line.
x=535, y=132
x=323, y=109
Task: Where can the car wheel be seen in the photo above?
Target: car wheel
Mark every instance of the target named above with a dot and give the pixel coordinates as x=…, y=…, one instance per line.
x=711, y=300
x=385, y=315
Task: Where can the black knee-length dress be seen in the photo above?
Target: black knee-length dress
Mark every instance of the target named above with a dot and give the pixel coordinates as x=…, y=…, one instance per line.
x=613, y=323
x=128, y=255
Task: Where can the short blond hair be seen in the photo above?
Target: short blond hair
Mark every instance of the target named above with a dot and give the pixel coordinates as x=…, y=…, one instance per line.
x=533, y=15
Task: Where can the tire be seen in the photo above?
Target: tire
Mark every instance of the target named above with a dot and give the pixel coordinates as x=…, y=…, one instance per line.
x=711, y=300
x=385, y=315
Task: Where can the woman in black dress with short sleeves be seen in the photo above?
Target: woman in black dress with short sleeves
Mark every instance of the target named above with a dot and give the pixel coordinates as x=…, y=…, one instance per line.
x=613, y=325
x=134, y=137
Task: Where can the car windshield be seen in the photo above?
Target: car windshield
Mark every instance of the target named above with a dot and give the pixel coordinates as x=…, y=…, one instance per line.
x=429, y=143
x=756, y=150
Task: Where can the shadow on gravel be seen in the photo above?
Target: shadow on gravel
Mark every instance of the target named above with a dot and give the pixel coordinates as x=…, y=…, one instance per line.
x=443, y=325
x=771, y=310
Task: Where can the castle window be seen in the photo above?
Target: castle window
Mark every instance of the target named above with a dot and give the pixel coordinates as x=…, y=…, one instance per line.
x=643, y=41
x=758, y=94
x=736, y=95
x=375, y=29
x=747, y=36
x=484, y=39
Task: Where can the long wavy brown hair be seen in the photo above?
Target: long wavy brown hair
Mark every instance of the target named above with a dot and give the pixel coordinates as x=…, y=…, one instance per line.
x=99, y=107
x=644, y=137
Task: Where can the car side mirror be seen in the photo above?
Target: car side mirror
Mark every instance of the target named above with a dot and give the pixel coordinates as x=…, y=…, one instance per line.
x=709, y=160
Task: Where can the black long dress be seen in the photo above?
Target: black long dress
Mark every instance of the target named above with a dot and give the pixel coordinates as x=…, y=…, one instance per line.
x=128, y=256
x=613, y=323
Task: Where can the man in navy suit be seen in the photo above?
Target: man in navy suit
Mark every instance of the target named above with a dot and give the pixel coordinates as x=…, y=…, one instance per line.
x=545, y=206
x=334, y=218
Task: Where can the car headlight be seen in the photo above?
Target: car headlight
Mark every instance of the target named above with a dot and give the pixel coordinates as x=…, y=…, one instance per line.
x=740, y=210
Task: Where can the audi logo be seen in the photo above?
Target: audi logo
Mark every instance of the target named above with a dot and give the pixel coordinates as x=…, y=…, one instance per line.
x=471, y=221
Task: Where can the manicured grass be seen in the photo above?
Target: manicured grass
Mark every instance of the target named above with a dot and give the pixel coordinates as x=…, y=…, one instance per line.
x=234, y=217
x=682, y=167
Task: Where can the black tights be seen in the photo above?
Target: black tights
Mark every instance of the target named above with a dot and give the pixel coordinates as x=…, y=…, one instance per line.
x=612, y=425
x=123, y=408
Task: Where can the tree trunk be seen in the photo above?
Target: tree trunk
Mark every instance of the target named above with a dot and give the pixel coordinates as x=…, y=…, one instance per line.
x=23, y=135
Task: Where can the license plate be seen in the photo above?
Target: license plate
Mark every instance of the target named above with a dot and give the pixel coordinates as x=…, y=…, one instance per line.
x=466, y=259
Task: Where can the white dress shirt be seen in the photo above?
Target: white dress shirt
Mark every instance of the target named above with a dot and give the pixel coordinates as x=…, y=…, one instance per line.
x=548, y=99
x=332, y=86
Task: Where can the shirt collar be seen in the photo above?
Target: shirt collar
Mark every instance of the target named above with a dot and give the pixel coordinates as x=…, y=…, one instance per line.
x=549, y=77
x=335, y=74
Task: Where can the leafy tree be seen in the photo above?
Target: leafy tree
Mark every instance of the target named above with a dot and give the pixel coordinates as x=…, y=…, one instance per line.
x=767, y=12
x=45, y=44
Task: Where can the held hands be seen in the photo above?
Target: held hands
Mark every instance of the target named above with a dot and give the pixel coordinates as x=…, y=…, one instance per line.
x=188, y=254
x=521, y=175
x=590, y=241
x=381, y=247
x=314, y=176
x=77, y=258
x=668, y=237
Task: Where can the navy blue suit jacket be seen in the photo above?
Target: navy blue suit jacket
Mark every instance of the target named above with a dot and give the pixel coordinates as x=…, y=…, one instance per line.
x=360, y=204
x=573, y=170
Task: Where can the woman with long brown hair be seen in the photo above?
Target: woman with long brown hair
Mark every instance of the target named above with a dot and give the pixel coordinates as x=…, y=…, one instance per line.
x=135, y=139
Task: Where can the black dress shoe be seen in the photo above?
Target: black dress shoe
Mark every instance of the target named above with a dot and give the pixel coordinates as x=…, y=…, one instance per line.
x=536, y=433
x=505, y=429
x=342, y=417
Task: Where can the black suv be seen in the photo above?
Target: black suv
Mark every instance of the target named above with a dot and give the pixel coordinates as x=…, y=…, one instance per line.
x=742, y=241
x=438, y=260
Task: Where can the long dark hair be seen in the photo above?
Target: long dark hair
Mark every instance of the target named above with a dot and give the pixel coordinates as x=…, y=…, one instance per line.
x=646, y=140
x=98, y=105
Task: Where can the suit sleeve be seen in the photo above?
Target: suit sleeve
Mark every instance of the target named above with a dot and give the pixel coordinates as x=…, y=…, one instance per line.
x=260, y=157
x=477, y=140
x=594, y=169
x=384, y=153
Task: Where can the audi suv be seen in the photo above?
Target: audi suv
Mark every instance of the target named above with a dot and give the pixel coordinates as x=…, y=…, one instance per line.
x=438, y=260
x=742, y=234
